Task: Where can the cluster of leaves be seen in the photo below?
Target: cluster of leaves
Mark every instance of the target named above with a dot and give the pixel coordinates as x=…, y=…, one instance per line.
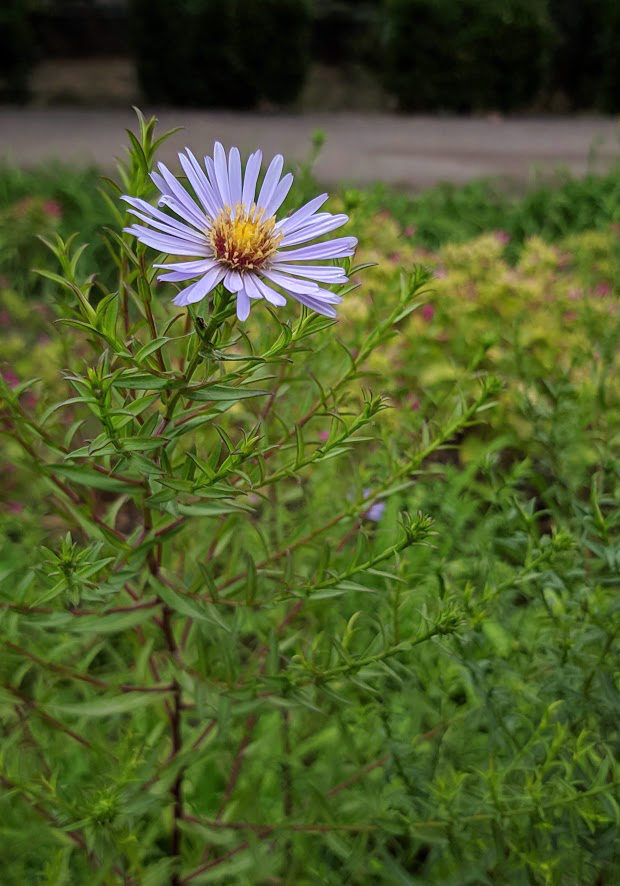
x=243, y=652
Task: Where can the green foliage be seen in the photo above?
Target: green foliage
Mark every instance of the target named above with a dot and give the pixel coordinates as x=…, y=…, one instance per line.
x=42, y=202
x=466, y=54
x=552, y=209
x=309, y=602
x=260, y=53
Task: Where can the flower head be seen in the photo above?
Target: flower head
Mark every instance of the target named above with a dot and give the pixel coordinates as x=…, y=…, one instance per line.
x=231, y=235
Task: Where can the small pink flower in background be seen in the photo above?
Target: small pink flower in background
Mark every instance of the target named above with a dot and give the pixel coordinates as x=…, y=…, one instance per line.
x=395, y=257
x=410, y=231
x=10, y=378
x=15, y=507
x=575, y=294
x=603, y=290
x=428, y=312
x=52, y=207
x=323, y=436
x=502, y=236
x=413, y=402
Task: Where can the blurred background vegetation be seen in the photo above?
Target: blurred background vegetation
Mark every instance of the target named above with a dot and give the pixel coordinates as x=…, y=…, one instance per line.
x=414, y=55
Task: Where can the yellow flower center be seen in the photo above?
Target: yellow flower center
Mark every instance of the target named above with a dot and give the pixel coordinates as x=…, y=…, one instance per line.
x=242, y=238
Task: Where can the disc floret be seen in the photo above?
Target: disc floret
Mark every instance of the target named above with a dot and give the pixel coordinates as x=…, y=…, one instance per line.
x=242, y=238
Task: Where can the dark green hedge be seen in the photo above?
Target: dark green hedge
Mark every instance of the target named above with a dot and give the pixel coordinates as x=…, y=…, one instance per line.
x=17, y=49
x=586, y=69
x=221, y=53
x=345, y=32
x=432, y=55
x=466, y=54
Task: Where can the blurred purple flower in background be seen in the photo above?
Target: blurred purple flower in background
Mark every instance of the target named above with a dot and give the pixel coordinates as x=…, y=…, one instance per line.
x=376, y=510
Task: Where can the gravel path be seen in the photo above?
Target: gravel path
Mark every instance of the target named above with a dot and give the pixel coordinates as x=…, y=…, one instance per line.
x=412, y=152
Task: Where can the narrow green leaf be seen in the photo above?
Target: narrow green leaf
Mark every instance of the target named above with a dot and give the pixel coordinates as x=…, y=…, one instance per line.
x=300, y=446
x=115, y=623
x=142, y=444
x=85, y=476
x=206, y=509
x=150, y=348
x=183, y=604
x=107, y=312
x=108, y=707
x=138, y=381
x=50, y=411
x=223, y=392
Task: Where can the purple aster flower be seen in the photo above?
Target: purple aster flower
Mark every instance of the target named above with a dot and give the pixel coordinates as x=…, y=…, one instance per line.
x=230, y=234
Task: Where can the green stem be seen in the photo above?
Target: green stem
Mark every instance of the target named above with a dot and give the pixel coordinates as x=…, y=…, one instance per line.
x=206, y=334
x=352, y=666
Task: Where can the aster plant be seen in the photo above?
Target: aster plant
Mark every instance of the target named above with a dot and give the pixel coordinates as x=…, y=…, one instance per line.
x=176, y=642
